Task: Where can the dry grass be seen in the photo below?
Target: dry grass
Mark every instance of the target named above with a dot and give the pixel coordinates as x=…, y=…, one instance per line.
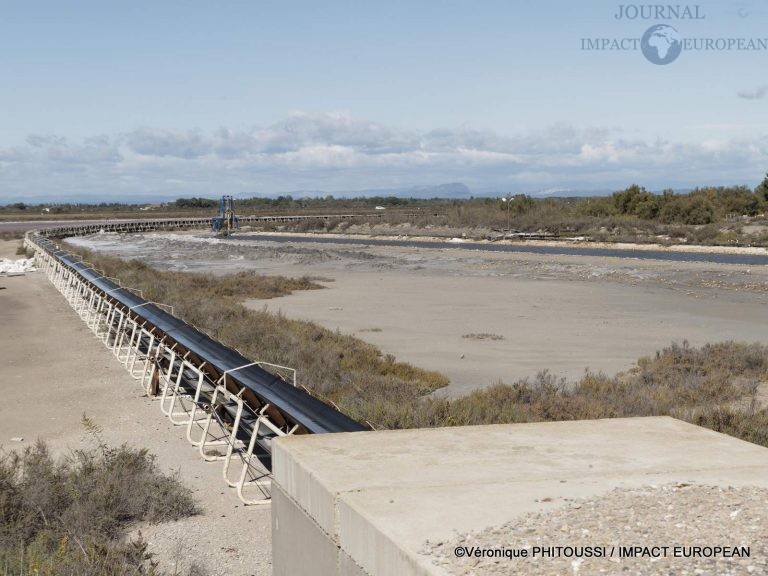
x=172, y=287
x=483, y=336
x=68, y=516
x=707, y=216
x=699, y=385
x=22, y=251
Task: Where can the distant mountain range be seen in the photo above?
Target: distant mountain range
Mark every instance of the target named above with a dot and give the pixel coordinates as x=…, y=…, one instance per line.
x=449, y=190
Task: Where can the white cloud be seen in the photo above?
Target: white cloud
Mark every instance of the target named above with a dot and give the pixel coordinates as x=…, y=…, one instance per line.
x=155, y=142
x=336, y=152
x=755, y=94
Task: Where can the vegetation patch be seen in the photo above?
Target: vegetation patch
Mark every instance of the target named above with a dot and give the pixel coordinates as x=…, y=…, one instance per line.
x=698, y=385
x=483, y=336
x=168, y=286
x=22, y=251
x=711, y=215
x=68, y=516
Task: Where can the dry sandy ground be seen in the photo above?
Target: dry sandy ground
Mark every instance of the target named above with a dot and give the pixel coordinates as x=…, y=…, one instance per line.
x=561, y=313
x=8, y=248
x=52, y=370
x=563, y=326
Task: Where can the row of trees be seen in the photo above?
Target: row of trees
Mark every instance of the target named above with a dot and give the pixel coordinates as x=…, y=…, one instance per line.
x=700, y=206
x=70, y=207
x=195, y=203
x=289, y=202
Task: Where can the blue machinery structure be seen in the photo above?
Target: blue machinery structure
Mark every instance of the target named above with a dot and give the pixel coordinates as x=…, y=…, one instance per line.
x=226, y=221
x=231, y=406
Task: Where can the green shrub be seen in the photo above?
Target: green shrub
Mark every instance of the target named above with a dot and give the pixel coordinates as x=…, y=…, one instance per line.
x=68, y=516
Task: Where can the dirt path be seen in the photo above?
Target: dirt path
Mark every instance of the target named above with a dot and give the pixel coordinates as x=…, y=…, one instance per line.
x=52, y=370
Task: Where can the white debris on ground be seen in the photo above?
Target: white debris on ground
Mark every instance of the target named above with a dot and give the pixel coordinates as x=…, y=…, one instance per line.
x=705, y=530
x=18, y=267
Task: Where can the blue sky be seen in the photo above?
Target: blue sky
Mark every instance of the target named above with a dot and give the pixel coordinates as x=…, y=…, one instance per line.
x=151, y=99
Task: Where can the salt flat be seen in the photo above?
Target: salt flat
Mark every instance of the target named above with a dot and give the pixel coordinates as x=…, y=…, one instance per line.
x=560, y=325
x=560, y=313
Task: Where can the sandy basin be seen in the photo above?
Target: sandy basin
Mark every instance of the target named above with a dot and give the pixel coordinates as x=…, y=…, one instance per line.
x=564, y=314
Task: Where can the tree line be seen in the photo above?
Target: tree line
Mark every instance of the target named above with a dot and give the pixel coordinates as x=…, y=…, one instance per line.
x=699, y=206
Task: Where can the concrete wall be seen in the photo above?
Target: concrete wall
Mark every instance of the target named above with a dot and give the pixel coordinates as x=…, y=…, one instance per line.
x=300, y=547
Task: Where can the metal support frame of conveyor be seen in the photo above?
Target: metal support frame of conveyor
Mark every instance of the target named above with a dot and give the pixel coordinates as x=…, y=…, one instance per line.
x=139, y=349
x=258, y=429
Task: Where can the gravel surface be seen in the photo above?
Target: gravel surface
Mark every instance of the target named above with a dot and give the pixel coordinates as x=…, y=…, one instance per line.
x=681, y=515
x=225, y=541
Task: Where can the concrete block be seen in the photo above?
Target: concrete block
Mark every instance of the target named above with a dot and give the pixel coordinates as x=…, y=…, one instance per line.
x=380, y=495
x=299, y=545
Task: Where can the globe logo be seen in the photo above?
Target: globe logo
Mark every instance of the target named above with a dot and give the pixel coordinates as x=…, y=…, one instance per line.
x=661, y=44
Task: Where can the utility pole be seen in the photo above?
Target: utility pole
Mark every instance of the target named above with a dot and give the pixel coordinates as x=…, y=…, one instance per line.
x=508, y=200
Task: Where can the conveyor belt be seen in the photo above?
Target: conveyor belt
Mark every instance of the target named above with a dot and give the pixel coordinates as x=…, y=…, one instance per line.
x=298, y=408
